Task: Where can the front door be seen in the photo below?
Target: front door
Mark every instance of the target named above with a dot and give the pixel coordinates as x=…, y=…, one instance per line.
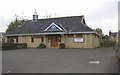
x=54, y=41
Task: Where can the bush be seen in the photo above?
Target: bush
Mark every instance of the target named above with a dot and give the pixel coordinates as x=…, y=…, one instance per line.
x=11, y=46
x=61, y=45
x=107, y=44
x=42, y=45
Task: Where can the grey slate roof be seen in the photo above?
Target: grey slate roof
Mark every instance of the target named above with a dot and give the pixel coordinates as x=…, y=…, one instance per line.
x=71, y=24
x=113, y=34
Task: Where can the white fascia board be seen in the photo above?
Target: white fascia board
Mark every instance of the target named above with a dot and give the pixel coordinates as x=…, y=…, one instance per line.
x=52, y=33
x=93, y=32
x=16, y=34
x=20, y=34
x=80, y=32
x=82, y=20
x=35, y=34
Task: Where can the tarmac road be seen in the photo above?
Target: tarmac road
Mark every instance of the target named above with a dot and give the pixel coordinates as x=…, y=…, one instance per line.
x=60, y=61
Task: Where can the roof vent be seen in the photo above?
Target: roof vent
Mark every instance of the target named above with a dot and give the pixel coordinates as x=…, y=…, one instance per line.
x=35, y=16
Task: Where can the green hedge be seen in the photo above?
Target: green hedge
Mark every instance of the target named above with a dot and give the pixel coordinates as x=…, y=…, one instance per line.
x=21, y=45
x=8, y=46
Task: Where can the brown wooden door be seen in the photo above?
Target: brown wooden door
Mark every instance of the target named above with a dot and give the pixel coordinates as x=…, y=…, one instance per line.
x=54, y=41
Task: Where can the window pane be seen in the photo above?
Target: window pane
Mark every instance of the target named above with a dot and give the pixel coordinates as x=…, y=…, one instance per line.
x=70, y=35
x=32, y=38
x=78, y=35
x=42, y=39
x=16, y=39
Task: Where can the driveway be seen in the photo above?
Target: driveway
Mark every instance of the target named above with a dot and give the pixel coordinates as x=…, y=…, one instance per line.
x=60, y=61
x=0, y=61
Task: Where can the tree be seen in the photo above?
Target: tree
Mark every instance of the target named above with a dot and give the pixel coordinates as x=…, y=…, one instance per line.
x=106, y=37
x=48, y=15
x=14, y=24
x=99, y=31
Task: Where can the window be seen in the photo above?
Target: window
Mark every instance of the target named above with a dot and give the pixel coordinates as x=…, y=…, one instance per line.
x=53, y=28
x=42, y=39
x=78, y=35
x=16, y=39
x=32, y=38
x=70, y=35
x=37, y=36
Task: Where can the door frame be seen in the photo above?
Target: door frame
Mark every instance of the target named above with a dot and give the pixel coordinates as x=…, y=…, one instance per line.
x=55, y=41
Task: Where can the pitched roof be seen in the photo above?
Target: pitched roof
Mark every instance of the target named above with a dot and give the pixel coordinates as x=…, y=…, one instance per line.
x=70, y=24
x=113, y=33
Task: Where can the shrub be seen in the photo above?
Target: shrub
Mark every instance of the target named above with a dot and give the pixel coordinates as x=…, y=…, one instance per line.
x=42, y=45
x=11, y=46
x=61, y=45
x=107, y=43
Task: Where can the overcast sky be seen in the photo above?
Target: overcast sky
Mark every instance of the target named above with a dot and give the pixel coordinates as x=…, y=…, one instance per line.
x=98, y=13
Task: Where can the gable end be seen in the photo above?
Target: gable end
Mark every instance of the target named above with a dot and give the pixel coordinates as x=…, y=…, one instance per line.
x=53, y=27
x=83, y=20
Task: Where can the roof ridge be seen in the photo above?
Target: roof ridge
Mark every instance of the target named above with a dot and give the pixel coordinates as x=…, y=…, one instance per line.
x=59, y=17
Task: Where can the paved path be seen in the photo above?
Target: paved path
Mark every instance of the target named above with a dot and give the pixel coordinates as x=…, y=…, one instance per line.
x=59, y=61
